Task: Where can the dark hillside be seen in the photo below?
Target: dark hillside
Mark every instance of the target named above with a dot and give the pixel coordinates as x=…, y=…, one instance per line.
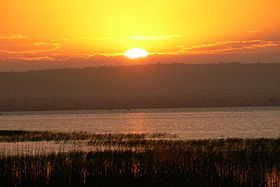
x=173, y=85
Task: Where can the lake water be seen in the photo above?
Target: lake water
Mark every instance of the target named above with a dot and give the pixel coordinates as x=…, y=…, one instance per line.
x=186, y=123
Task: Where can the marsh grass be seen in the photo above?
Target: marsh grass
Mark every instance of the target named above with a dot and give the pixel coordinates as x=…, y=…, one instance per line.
x=146, y=162
x=26, y=136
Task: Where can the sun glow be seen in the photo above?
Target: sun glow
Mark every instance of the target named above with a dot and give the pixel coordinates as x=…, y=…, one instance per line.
x=136, y=53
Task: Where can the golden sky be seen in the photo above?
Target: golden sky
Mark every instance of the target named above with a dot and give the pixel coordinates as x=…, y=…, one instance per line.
x=59, y=30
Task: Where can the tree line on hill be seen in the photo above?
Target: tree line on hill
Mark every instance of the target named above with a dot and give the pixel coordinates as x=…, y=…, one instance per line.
x=146, y=86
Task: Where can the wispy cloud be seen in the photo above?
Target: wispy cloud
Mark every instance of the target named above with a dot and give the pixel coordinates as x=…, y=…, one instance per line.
x=21, y=48
x=12, y=36
x=40, y=43
x=39, y=47
x=228, y=47
x=40, y=58
x=253, y=31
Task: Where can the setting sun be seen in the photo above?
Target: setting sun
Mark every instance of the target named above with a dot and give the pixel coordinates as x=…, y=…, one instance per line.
x=136, y=53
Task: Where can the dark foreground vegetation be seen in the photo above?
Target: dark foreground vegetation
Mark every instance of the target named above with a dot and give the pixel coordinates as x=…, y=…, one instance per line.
x=146, y=162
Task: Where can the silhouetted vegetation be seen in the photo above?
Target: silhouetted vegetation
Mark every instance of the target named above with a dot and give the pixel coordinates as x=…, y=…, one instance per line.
x=173, y=85
x=34, y=136
x=147, y=162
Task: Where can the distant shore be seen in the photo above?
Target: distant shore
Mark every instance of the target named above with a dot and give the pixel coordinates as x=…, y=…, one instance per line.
x=147, y=86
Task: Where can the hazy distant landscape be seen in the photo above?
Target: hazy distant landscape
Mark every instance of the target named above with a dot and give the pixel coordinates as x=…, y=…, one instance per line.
x=143, y=86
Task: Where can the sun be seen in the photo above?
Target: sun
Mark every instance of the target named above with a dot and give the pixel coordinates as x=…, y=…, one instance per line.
x=135, y=53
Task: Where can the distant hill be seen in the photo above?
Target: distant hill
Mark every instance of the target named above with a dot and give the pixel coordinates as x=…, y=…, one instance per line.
x=168, y=85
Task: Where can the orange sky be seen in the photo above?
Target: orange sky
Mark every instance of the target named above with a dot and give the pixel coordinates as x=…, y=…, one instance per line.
x=72, y=31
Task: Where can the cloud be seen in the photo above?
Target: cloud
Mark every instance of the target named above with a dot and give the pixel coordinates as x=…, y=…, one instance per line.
x=40, y=43
x=253, y=31
x=41, y=52
x=40, y=58
x=12, y=36
x=26, y=46
x=36, y=48
x=229, y=47
x=47, y=48
x=160, y=37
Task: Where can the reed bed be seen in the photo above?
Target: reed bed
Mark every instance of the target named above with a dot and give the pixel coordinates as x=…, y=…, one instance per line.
x=150, y=162
x=22, y=136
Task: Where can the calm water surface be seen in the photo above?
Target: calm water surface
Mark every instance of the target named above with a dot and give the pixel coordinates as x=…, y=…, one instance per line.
x=199, y=123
